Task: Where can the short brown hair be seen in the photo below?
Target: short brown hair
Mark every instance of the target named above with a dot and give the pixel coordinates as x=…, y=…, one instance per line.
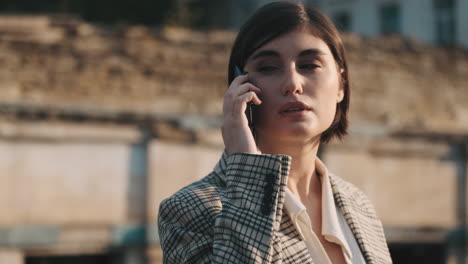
x=277, y=18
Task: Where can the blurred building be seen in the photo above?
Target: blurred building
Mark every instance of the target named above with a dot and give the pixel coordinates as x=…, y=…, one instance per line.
x=99, y=125
x=439, y=22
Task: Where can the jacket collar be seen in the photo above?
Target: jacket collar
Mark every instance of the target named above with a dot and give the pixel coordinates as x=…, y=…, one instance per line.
x=356, y=216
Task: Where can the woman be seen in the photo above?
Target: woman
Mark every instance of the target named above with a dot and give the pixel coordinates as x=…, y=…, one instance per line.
x=270, y=199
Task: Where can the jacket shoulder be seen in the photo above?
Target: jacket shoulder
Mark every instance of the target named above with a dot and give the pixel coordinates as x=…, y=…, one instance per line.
x=199, y=201
x=344, y=190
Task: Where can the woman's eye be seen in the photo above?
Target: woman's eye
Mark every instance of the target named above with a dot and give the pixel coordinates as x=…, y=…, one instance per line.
x=267, y=69
x=308, y=66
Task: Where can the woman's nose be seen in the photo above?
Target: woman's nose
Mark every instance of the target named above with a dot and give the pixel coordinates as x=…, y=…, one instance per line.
x=291, y=82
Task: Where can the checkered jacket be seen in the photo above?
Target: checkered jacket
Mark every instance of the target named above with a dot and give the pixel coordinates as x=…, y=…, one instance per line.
x=235, y=215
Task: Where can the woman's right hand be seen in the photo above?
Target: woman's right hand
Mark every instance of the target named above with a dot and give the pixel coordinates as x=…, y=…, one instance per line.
x=236, y=133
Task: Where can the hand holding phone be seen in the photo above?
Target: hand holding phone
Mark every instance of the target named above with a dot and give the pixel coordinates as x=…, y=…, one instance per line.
x=238, y=116
x=249, y=110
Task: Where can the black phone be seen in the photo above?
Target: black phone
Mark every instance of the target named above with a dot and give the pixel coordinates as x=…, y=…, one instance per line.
x=249, y=109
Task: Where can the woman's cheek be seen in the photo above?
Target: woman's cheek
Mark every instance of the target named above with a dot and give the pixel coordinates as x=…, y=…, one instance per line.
x=330, y=113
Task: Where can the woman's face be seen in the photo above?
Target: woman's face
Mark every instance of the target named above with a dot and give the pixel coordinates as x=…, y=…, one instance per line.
x=300, y=85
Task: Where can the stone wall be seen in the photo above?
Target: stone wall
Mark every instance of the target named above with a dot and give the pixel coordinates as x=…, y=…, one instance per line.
x=397, y=83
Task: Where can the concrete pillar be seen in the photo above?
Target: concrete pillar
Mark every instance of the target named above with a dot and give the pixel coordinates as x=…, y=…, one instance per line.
x=135, y=255
x=135, y=251
x=461, y=241
x=11, y=256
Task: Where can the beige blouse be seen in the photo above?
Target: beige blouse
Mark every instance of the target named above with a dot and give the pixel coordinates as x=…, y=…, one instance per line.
x=334, y=226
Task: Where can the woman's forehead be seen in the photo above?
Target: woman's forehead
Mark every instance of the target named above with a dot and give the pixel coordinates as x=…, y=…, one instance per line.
x=296, y=42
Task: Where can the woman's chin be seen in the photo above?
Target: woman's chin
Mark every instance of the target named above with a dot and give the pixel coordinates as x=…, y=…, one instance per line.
x=300, y=133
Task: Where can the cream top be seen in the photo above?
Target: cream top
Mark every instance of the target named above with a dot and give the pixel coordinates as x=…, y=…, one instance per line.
x=334, y=226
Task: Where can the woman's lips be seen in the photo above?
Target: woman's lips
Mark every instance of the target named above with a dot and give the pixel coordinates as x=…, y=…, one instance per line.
x=298, y=113
x=294, y=109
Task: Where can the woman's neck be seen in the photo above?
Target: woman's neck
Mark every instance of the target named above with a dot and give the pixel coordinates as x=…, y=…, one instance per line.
x=302, y=180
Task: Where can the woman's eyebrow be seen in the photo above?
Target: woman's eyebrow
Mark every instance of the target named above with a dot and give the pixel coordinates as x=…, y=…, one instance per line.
x=272, y=53
x=265, y=53
x=313, y=52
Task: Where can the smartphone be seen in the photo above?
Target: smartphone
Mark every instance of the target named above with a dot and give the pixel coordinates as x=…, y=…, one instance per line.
x=249, y=109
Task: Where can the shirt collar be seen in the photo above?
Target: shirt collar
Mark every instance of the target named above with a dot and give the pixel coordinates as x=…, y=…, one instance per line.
x=293, y=205
x=331, y=227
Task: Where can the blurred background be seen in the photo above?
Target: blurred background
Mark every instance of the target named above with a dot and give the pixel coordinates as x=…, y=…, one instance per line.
x=108, y=107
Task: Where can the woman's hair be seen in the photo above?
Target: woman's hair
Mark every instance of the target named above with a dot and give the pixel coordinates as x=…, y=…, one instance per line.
x=277, y=18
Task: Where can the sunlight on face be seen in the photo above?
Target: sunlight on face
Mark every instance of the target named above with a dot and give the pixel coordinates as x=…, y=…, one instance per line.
x=300, y=87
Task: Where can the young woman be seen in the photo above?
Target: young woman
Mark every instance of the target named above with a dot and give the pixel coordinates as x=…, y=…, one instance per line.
x=270, y=199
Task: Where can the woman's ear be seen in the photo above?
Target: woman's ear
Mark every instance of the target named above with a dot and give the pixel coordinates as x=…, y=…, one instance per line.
x=342, y=83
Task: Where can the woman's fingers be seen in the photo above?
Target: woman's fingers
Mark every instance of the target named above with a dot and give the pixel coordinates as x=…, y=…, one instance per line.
x=241, y=85
x=240, y=93
x=234, y=93
x=240, y=104
x=239, y=80
x=246, y=87
x=250, y=97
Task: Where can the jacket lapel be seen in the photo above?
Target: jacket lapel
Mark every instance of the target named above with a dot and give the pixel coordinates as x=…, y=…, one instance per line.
x=361, y=218
x=291, y=245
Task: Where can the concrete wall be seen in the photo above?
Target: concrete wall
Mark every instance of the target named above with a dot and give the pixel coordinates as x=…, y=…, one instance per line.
x=411, y=184
x=70, y=189
x=63, y=183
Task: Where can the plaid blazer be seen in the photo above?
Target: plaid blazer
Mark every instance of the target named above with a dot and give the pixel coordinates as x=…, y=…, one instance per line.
x=235, y=215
